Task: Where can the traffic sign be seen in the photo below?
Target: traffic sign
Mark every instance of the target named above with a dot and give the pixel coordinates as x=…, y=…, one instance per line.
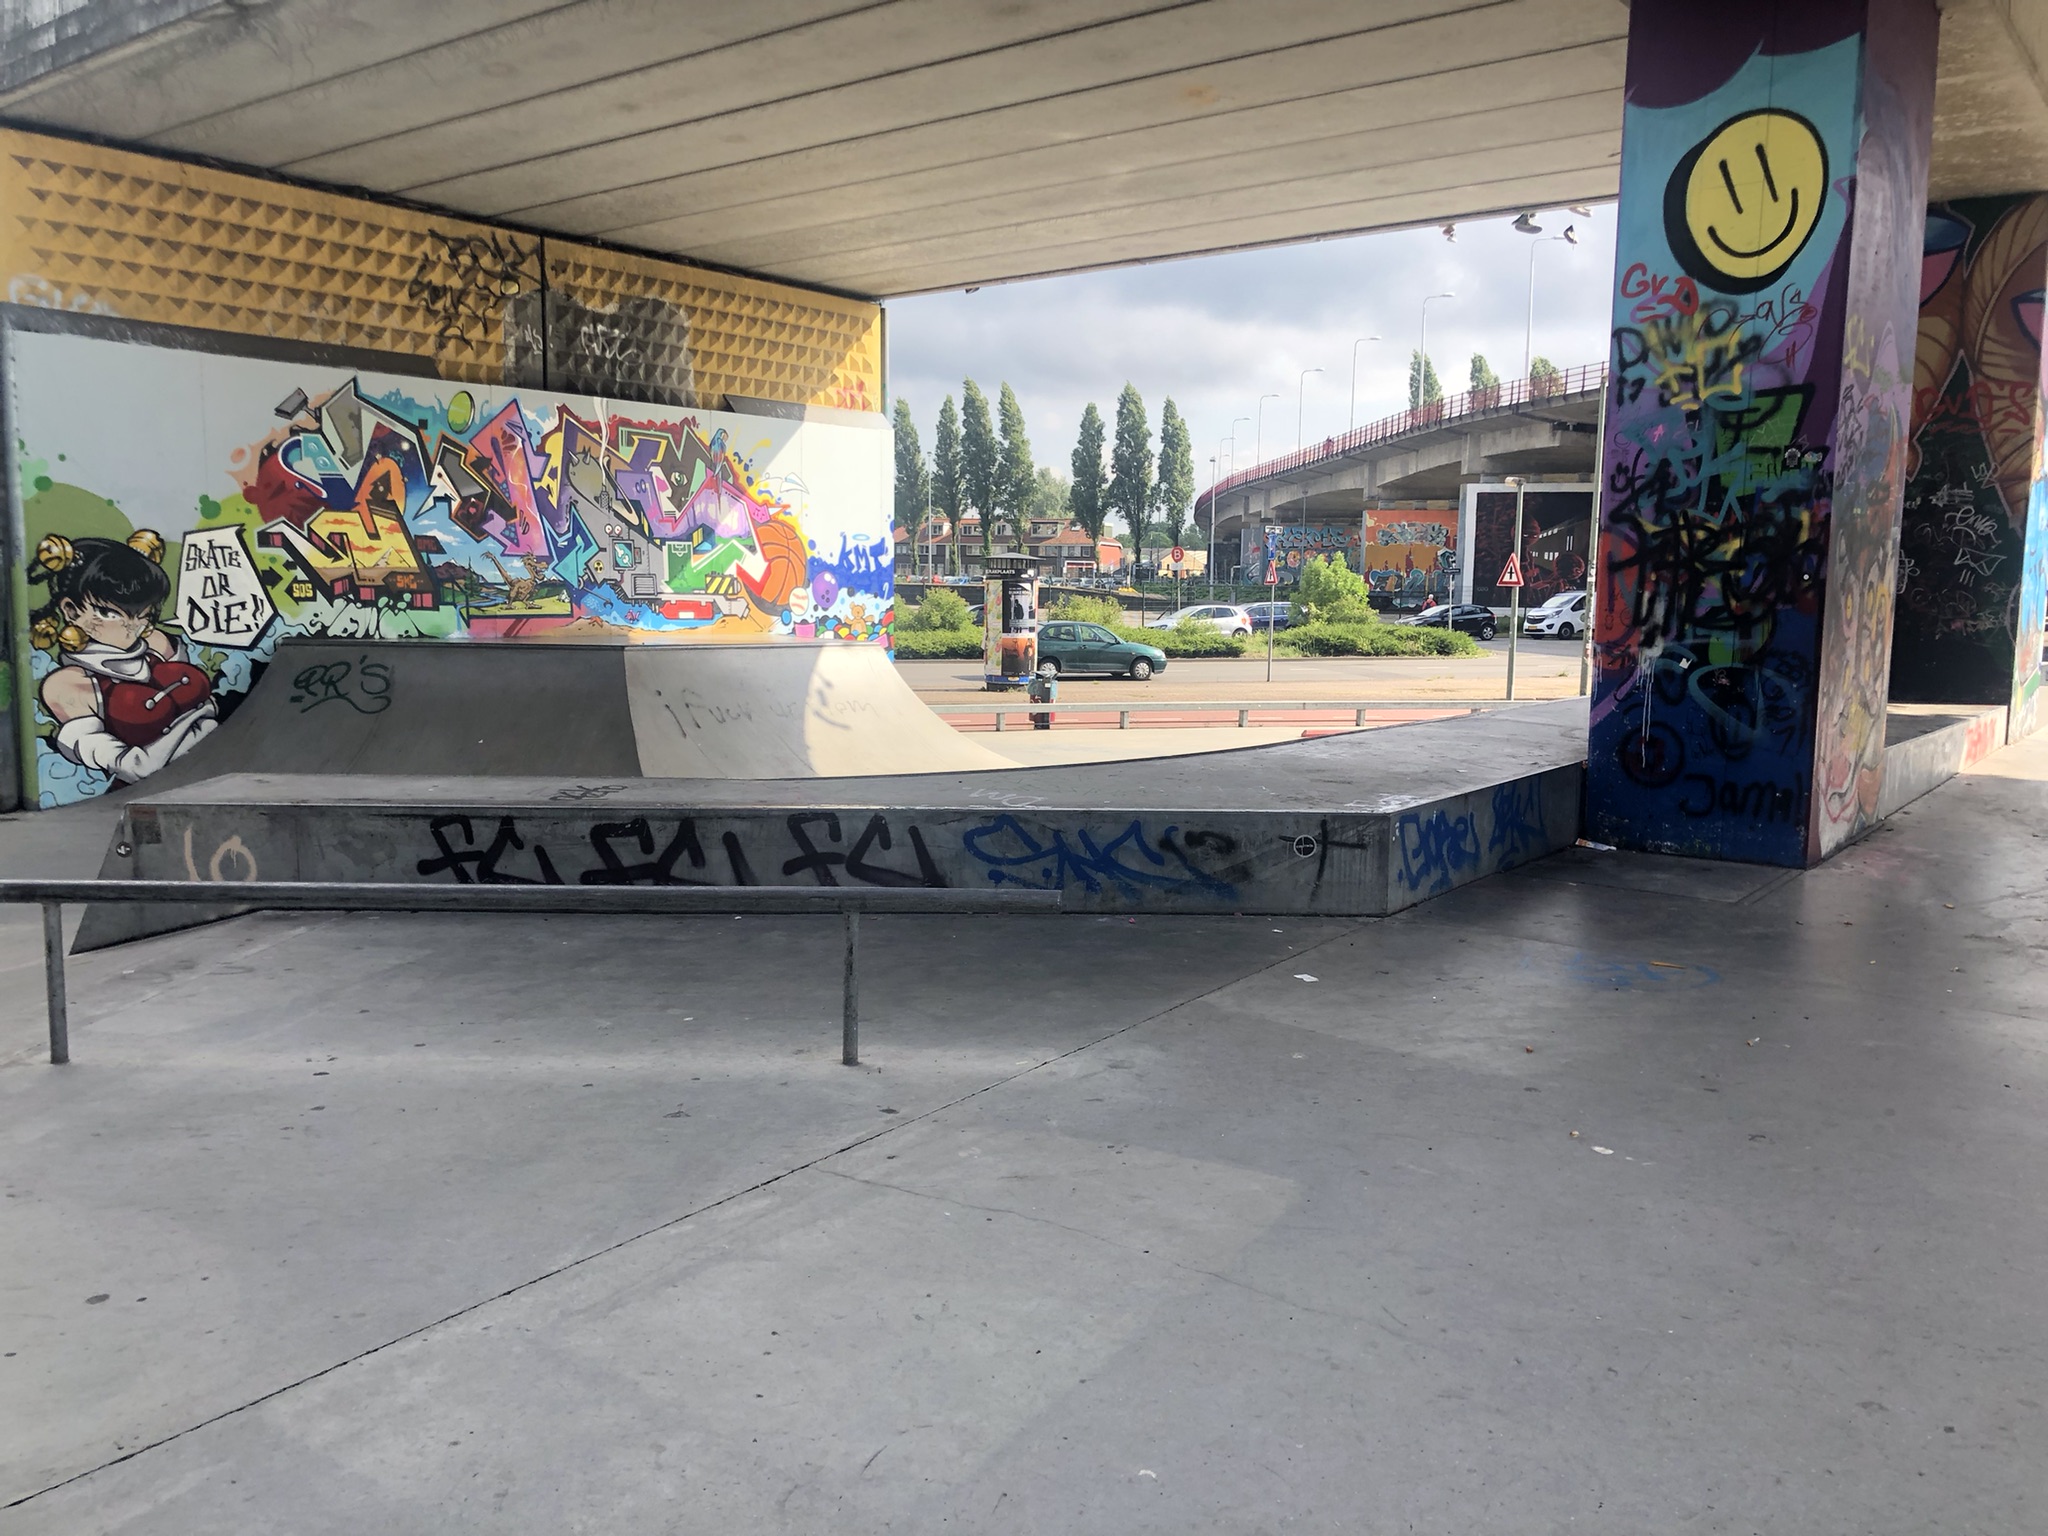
x=1179, y=555
x=1511, y=573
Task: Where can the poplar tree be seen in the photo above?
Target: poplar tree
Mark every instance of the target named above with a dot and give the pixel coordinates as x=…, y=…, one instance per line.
x=946, y=476
x=1016, y=474
x=1176, y=487
x=979, y=456
x=913, y=476
x=1130, y=468
x=1423, y=388
x=1483, y=376
x=1086, y=498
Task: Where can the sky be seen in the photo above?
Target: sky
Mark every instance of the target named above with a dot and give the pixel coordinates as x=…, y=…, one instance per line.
x=1217, y=332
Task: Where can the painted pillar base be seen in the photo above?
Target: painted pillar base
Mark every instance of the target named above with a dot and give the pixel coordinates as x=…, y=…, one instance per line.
x=1774, y=173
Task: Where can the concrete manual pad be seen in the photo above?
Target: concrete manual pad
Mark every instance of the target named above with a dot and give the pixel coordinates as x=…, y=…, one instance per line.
x=1180, y=1225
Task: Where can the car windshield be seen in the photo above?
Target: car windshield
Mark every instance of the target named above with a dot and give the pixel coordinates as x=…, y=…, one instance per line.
x=1432, y=613
x=1562, y=600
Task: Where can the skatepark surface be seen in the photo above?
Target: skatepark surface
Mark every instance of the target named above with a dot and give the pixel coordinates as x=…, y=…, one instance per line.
x=1617, y=1194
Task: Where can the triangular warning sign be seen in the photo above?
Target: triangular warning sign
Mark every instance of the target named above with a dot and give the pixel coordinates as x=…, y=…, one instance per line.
x=1511, y=573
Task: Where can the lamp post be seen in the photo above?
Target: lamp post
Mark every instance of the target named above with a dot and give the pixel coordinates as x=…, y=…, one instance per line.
x=1300, y=405
x=1214, y=459
x=1230, y=439
x=1515, y=592
x=1422, y=365
x=1351, y=420
x=1569, y=237
x=1259, y=432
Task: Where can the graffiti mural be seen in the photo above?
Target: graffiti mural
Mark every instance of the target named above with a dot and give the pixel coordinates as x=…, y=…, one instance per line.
x=1756, y=429
x=1406, y=554
x=1976, y=391
x=1557, y=527
x=1410, y=555
x=183, y=512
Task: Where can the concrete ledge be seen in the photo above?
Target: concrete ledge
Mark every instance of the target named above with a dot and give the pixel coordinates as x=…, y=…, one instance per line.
x=1926, y=745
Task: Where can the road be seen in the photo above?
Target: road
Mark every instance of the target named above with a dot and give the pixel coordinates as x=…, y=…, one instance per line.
x=1544, y=669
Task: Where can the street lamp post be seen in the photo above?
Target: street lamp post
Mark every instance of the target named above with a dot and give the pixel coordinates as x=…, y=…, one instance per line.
x=1300, y=404
x=1422, y=364
x=1515, y=592
x=1351, y=421
x=1569, y=237
x=1259, y=432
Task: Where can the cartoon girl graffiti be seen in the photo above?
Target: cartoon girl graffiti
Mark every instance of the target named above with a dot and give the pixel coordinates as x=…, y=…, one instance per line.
x=124, y=698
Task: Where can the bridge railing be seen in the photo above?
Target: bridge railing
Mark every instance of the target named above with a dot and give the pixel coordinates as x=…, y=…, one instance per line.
x=1511, y=396
x=673, y=900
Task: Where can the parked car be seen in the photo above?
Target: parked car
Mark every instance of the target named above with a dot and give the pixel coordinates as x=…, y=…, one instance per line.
x=1228, y=620
x=1270, y=615
x=1472, y=618
x=1563, y=616
x=1067, y=647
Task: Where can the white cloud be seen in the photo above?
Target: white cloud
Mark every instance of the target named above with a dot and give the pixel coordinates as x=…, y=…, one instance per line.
x=1217, y=332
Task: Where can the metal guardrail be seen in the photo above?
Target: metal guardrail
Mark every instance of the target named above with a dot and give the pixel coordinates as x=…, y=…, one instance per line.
x=1245, y=710
x=1582, y=380
x=634, y=900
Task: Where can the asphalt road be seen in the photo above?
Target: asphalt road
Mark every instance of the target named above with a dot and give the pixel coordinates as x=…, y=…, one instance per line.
x=1544, y=669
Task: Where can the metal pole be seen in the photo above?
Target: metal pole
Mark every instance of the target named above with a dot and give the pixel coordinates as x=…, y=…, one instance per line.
x=1593, y=548
x=850, y=1013
x=53, y=982
x=1515, y=593
x=1351, y=420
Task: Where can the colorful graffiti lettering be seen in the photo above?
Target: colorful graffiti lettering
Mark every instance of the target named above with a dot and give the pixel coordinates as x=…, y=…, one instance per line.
x=387, y=508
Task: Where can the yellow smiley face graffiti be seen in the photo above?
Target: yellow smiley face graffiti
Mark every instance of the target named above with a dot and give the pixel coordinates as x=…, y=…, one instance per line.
x=1741, y=205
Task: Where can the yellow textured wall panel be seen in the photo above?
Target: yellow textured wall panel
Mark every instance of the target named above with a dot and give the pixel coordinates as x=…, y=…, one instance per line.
x=113, y=232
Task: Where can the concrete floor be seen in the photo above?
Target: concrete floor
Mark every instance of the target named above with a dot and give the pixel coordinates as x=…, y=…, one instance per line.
x=376, y=1224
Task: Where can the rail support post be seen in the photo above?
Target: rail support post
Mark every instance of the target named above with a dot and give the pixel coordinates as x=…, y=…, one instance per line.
x=53, y=982
x=850, y=1014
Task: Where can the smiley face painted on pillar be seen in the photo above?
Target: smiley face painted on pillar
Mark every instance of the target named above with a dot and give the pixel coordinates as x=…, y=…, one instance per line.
x=1743, y=202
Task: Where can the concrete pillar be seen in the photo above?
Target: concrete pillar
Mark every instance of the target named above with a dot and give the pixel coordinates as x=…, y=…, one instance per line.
x=1973, y=550
x=1774, y=174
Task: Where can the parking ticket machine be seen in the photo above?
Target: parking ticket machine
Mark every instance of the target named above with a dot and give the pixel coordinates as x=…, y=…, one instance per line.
x=1009, y=621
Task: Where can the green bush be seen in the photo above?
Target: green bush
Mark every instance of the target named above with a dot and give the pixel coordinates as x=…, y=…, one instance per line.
x=936, y=644
x=941, y=610
x=1330, y=592
x=1327, y=639
x=1190, y=637
x=1089, y=610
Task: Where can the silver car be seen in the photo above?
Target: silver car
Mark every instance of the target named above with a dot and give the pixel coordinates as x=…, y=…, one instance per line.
x=1228, y=620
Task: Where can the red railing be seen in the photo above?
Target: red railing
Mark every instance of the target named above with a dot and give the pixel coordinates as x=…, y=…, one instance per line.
x=1583, y=380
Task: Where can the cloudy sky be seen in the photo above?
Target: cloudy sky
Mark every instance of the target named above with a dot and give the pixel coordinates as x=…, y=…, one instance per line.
x=1217, y=332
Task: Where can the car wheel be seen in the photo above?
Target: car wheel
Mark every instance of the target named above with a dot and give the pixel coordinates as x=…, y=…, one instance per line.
x=1487, y=631
x=1141, y=670
x=1569, y=631
x=1048, y=668
x=1240, y=634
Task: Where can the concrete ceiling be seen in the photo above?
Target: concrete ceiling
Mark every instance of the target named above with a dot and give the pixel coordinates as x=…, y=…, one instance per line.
x=884, y=147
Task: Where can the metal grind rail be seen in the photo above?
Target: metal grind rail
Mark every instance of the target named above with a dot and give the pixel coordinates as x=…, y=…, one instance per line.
x=620, y=900
x=1124, y=709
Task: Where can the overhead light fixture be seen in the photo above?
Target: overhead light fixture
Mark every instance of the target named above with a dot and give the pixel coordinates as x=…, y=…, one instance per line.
x=1526, y=224
x=1580, y=209
x=1450, y=233
x=975, y=289
x=1571, y=234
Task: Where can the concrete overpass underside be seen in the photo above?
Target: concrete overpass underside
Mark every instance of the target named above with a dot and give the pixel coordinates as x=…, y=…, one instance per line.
x=912, y=145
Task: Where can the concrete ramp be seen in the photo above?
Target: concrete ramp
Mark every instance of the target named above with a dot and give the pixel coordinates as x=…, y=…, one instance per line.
x=595, y=710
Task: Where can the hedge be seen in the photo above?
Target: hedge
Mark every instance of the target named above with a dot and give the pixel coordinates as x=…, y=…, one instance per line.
x=937, y=644
x=1373, y=640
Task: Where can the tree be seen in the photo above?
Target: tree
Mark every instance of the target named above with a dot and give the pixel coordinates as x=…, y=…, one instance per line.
x=1423, y=388
x=979, y=456
x=1176, y=487
x=1483, y=376
x=1329, y=591
x=1051, y=496
x=1130, y=467
x=1544, y=378
x=1090, y=509
x=946, y=475
x=1016, y=475
x=913, y=477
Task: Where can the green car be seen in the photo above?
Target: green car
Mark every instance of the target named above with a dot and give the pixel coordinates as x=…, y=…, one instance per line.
x=1068, y=649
